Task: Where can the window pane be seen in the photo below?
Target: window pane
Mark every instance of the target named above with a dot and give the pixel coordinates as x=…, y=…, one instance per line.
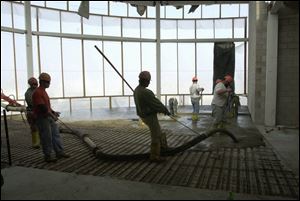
x=111, y=26
x=244, y=9
x=239, y=67
x=19, y=17
x=113, y=82
x=186, y=66
x=120, y=102
x=49, y=20
x=38, y=3
x=21, y=67
x=70, y=23
x=210, y=11
x=33, y=19
x=151, y=12
x=162, y=11
x=148, y=29
x=223, y=28
x=57, y=4
x=195, y=14
x=6, y=14
x=93, y=25
x=205, y=58
x=93, y=64
x=72, y=65
x=168, y=68
x=133, y=12
x=74, y=5
x=205, y=29
x=52, y=64
x=81, y=105
x=131, y=28
x=118, y=8
x=7, y=64
x=149, y=62
x=99, y=7
x=239, y=28
x=168, y=29
x=172, y=12
x=35, y=56
x=132, y=65
x=186, y=29
x=60, y=105
x=99, y=103
x=229, y=10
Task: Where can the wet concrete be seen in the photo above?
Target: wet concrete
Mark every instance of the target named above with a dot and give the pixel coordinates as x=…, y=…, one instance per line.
x=249, y=167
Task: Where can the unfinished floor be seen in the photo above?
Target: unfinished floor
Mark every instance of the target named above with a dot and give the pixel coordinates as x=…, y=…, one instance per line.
x=217, y=163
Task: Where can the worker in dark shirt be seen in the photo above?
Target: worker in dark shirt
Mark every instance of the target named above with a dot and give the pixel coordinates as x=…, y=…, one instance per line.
x=33, y=83
x=147, y=107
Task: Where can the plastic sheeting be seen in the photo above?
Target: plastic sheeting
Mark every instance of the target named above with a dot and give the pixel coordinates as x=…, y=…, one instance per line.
x=224, y=60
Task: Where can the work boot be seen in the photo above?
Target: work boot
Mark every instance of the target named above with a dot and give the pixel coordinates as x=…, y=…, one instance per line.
x=35, y=139
x=165, y=149
x=50, y=159
x=195, y=117
x=62, y=155
x=155, y=152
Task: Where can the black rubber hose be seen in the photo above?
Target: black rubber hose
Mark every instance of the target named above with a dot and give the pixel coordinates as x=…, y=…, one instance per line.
x=170, y=152
x=123, y=157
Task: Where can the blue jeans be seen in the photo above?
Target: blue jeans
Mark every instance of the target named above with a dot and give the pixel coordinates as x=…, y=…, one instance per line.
x=195, y=103
x=49, y=134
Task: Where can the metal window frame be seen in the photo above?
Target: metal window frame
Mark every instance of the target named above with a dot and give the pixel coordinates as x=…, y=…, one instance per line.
x=102, y=38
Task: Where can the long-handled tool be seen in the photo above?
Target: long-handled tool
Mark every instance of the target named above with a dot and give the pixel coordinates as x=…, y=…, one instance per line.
x=133, y=90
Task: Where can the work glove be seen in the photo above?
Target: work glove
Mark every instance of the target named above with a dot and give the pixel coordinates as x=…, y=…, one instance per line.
x=167, y=113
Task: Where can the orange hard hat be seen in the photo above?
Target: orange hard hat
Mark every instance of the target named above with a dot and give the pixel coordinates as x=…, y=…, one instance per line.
x=32, y=81
x=195, y=79
x=218, y=80
x=228, y=78
x=45, y=77
x=145, y=75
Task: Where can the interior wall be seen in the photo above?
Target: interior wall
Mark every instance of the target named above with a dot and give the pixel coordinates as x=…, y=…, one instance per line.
x=288, y=67
x=287, y=103
x=258, y=16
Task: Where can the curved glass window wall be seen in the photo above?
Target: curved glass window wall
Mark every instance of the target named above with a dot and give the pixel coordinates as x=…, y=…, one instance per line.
x=63, y=45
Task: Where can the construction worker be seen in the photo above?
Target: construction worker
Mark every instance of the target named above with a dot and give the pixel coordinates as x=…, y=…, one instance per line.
x=218, y=104
x=33, y=83
x=195, y=91
x=147, y=107
x=45, y=120
x=173, y=104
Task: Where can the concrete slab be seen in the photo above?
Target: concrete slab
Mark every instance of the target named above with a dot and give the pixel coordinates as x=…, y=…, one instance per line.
x=286, y=144
x=36, y=184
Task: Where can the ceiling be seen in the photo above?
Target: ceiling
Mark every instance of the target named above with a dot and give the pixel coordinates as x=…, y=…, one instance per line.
x=181, y=3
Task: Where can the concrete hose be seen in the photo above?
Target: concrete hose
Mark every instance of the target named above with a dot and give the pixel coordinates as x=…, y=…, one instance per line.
x=123, y=157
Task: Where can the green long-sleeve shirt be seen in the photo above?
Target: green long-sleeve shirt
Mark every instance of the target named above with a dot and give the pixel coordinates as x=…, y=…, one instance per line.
x=146, y=103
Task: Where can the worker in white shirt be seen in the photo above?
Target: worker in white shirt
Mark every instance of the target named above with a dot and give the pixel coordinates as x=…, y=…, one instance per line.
x=196, y=93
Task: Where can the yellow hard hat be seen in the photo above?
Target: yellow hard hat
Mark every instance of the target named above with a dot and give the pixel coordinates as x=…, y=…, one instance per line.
x=45, y=77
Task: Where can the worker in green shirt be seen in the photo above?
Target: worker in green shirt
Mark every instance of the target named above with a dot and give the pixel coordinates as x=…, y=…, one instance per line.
x=147, y=107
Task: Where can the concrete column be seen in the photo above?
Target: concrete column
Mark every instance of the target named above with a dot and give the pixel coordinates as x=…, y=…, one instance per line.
x=158, y=69
x=28, y=36
x=252, y=59
x=271, y=70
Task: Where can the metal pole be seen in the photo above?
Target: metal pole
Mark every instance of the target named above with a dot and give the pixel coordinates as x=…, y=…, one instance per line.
x=113, y=67
x=133, y=90
x=7, y=138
